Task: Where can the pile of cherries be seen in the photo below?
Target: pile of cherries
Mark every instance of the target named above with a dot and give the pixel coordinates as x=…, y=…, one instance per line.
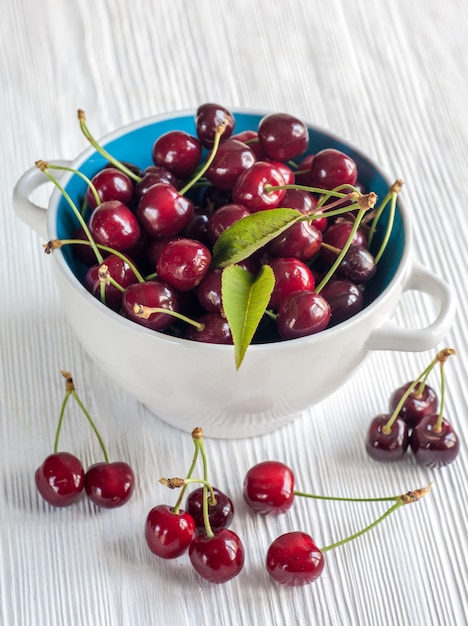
x=146, y=237
x=201, y=528
x=415, y=423
x=61, y=478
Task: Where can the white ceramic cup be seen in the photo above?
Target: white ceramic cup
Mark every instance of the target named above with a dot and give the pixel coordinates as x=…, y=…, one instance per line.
x=190, y=384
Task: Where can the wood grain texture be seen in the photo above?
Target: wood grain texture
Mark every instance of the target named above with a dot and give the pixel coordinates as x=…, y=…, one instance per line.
x=391, y=78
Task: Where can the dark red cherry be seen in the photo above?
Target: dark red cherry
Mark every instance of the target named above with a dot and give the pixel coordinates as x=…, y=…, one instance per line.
x=150, y=294
x=345, y=299
x=208, y=118
x=282, y=136
x=219, y=558
x=249, y=189
x=337, y=235
x=291, y=275
x=303, y=313
x=209, y=291
x=300, y=200
x=163, y=211
x=285, y=171
x=178, y=152
x=169, y=534
x=250, y=137
x=153, y=175
x=118, y=270
x=434, y=446
x=183, y=263
x=109, y=485
x=223, y=218
x=220, y=514
x=215, y=329
x=331, y=168
x=386, y=447
x=358, y=265
x=269, y=488
x=111, y=184
x=60, y=479
x=302, y=241
x=231, y=159
x=420, y=402
x=294, y=559
x=197, y=228
x=114, y=225
x=302, y=176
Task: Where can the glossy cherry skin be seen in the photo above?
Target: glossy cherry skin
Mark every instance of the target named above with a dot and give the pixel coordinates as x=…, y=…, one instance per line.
x=358, y=265
x=345, y=299
x=209, y=291
x=291, y=275
x=151, y=294
x=385, y=447
x=431, y=447
x=207, y=119
x=300, y=200
x=269, y=488
x=294, y=559
x=331, y=168
x=163, y=211
x=120, y=271
x=219, y=558
x=113, y=224
x=169, y=534
x=282, y=136
x=178, y=152
x=183, y=263
x=109, y=485
x=302, y=241
x=417, y=405
x=249, y=189
x=250, y=137
x=111, y=184
x=337, y=235
x=232, y=158
x=220, y=514
x=60, y=479
x=153, y=175
x=223, y=218
x=215, y=330
x=303, y=313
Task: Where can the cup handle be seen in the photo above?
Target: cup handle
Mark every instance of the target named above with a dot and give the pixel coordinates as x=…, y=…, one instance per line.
x=33, y=214
x=390, y=336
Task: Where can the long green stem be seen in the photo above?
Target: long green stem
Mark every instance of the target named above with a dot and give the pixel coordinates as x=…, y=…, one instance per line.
x=82, y=176
x=388, y=232
x=438, y=424
x=60, y=421
x=93, y=426
x=344, y=499
x=217, y=138
x=196, y=452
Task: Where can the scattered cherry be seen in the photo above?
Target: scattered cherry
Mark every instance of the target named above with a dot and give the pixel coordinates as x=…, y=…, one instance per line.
x=293, y=559
x=60, y=479
x=168, y=532
x=269, y=488
x=109, y=485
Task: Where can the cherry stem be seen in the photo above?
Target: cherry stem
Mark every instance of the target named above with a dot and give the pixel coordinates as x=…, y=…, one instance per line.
x=178, y=504
x=345, y=499
x=407, y=498
x=217, y=138
x=70, y=390
x=440, y=357
x=60, y=421
x=82, y=176
x=43, y=166
x=438, y=426
x=392, y=198
x=328, y=193
x=102, y=151
x=145, y=312
x=206, y=519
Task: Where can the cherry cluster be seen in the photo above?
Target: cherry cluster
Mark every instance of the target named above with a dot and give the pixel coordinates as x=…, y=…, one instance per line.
x=61, y=478
x=415, y=423
x=147, y=236
x=201, y=527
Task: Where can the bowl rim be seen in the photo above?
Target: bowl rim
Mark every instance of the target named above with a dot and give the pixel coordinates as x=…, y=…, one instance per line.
x=188, y=344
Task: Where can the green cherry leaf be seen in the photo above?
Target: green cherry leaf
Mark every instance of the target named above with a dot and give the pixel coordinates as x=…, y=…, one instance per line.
x=249, y=234
x=245, y=299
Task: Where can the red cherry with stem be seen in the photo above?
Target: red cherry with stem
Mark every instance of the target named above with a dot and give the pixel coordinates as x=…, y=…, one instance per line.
x=163, y=211
x=337, y=235
x=358, y=265
x=115, y=274
x=291, y=275
x=109, y=485
x=282, y=136
x=269, y=488
x=183, y=263
x=331, y=168
x=231, y=160
x=218, y=557
x=252, y=187
x=385, y=443
x=111, y=184
x=345, y=299
x=434, y=442
x=294, y=559
x=422, y=401
x=169, y=532
x=208, y=117
x=140, y=299
x=178, y=152
x=60, y=479
x=213, y=328
x=303, y=313
x=114, y=225
x=220, y=512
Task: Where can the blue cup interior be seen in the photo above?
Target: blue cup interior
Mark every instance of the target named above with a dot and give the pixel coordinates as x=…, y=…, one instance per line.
x=135, y=146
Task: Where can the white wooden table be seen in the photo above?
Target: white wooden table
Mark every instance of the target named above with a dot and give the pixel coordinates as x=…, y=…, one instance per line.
x=390, y=77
